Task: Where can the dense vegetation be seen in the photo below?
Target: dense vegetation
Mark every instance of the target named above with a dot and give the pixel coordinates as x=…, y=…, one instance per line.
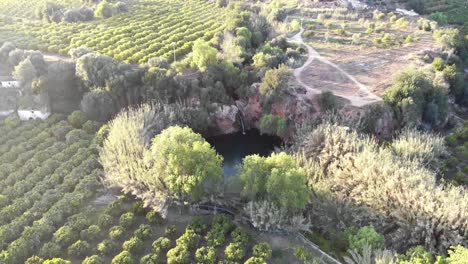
x=145, y=115
x=155, y=25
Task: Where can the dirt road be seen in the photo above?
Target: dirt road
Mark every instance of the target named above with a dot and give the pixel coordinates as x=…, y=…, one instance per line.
x=363, y=95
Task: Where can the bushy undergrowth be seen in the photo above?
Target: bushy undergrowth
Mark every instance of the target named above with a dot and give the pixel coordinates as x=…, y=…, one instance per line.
x=391, y=182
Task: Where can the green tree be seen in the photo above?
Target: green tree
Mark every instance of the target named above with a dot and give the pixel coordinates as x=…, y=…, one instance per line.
x=133, y=245
x=416, y=255
x=366, y=236
x=79, y=249
x=206, y=255
x=184, y=162
x=234, y=252
x=123, y=257
x=276, y=178
x=438, y=64
x=94, y=259
x=262, y=250
x=275, y=81
x=104, y=9
x=295, y=25
x=77, y=119
x=273, y=125
x=457, y=255
x=56, y=261
x=203, y=54
x=178, y=255
x=25, y=71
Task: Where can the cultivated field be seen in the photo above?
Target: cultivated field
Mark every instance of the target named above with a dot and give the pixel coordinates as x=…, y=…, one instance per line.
x=147, y=30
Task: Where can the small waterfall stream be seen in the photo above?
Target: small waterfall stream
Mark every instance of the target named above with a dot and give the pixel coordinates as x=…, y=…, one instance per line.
x=241, y=117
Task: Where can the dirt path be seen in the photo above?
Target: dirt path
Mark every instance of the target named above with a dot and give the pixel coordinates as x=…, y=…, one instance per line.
x=363, y=96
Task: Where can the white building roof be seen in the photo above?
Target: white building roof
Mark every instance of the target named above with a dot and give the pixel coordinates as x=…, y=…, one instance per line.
x=11, y=84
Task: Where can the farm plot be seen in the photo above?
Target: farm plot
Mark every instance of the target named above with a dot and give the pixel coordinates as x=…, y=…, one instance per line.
x=153, y=28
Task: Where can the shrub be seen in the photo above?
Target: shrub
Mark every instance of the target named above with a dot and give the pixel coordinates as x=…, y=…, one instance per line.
x=116, y=232
x=206, y=255
x=151, y=259
x=91, y=127
x=416, y=255
x=127, y=219
x=133, y=245
x=79, y=249
x=12, y=121
x=262, y=250
x=161, y=244
x=34, y=260
x=366, y=236
x=94, y=259
x=178, y=255
x=123, y=257
x=106, y=247
x=56, y=261
x=273, y=125
x=438, y=64
x=189, y=239
x=76, y=119
x=240, y=236
x=65, y=236
x=255, y=260
x=143, y=232
x=104, y=220
x=327, y=101
x=104, y=9
x=234, y=252
x=170, y=230
x=198, y=225
x=91, y=234
x=295, y=25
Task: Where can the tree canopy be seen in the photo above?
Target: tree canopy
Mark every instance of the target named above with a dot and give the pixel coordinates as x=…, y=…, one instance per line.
x=276, y=178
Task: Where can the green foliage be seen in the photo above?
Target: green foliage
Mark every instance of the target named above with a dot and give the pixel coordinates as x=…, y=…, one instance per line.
x=161, y=244
x=295, y=25
x=151, y=259
x=275, y=81
x=302, y=254
x=178, y=150
x=34, y=260
x=262, y=250
x=79, y=249
x=203, y=55
x=273, y=125
x=133, y=245
x=374, y=177
x=91, y=234
x=94, y=259
x=143, y=232
x=413, y=90
x=440, y=18
x=123, y=257
x=366, y=236
x=77, y=119
x=276, y=178
x=154, y=217
x=106, y=247
x=438, y=64
x=12, y=121
x=56, y=261
x=127, y=220
x=234, y=252
x=457, y=254
x=104, y=9
x=189, y=239
x=416, y=255
x=206, y=255
x=116, y=232
x=178, y=255
x=25, y=71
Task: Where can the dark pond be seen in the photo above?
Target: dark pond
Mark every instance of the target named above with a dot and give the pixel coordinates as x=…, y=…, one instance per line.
x=234, y=147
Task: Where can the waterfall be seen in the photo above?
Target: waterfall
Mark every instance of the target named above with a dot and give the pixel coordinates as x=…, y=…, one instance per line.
x=241, y=119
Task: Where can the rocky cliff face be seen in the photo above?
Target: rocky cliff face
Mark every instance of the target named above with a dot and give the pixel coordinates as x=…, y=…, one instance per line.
x=299, y=108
